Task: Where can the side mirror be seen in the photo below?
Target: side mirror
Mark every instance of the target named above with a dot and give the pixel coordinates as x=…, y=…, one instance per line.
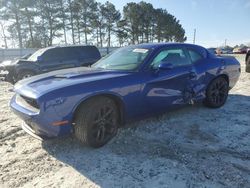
x=39, y=59
x=165, y=66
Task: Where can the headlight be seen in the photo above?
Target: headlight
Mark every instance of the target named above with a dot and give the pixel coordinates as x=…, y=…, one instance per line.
x=28, y=103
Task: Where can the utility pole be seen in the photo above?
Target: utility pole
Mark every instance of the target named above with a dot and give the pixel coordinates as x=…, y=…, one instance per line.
x=225, y=42
x=194, y=36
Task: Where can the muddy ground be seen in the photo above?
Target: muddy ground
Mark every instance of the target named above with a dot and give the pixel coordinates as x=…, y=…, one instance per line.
x=191, y=147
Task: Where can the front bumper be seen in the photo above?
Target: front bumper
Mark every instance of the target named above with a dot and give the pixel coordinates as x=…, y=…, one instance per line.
x=30, y=131
x=39, y=124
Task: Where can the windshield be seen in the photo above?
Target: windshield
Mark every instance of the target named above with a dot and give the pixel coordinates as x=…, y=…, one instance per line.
x=128, y=58
x=34, y=56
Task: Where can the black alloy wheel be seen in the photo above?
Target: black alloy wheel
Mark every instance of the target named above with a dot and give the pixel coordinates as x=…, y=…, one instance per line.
x=96, y=122
x=217, y=93
x=104, y=126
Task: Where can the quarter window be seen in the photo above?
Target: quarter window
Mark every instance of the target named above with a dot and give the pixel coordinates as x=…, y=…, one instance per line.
x=195, y=56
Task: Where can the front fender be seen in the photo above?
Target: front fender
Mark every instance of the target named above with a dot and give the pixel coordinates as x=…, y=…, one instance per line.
x=65, y=104
x=115, y=96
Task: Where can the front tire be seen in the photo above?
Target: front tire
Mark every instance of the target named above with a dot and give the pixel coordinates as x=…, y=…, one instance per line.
x=96, y=122
x=217, y=93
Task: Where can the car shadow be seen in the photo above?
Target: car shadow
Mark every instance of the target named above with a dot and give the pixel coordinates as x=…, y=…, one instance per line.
x=138, y=150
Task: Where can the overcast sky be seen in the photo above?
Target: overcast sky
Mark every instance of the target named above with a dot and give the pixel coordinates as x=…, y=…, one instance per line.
x=214, y=20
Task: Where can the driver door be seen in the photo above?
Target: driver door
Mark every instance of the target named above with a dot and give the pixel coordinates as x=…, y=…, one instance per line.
x=171, y=86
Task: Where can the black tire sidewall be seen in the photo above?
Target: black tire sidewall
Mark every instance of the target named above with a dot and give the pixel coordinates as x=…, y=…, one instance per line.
x=85, y=116
x=208, y=101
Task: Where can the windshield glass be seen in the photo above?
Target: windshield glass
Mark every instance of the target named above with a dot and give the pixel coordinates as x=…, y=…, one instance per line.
x=34, y=56
x=128, y=58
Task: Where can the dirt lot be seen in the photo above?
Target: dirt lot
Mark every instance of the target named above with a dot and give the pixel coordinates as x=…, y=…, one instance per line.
x=191, y=147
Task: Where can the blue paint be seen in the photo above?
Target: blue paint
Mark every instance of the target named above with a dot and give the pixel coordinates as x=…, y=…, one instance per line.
x=141, y=92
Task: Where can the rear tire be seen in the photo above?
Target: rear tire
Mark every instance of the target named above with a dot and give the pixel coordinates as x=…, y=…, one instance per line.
x=96, y=122
x=217, y=93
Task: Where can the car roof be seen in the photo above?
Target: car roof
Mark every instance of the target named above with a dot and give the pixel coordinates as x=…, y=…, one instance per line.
x=70, y=46
x=161, y=45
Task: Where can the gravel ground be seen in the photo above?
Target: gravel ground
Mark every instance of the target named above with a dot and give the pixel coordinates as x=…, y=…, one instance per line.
x=190, y=147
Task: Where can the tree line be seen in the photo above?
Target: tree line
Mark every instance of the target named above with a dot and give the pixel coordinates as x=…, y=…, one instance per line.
x=41, y=23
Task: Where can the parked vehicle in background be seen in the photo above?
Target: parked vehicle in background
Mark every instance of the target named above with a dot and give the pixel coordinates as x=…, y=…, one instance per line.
x=131, y=83
x=240, y=50
x=10, y=61
x=248, y=61
x=219, y=51
x=212, y=50
x=226, y=51
x=3, y=72
x=236, y=50
x=50, y=59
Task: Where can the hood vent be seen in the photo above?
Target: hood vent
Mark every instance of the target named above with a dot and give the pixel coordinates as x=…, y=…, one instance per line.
x=70, y=75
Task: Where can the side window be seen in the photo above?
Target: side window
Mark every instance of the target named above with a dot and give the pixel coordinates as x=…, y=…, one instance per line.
x=52, y=54
x=70, y=53
x=176, y=57
x=88, y=52
x=195, y=56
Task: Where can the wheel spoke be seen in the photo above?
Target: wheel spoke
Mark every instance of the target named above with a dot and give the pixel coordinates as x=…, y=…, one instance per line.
x=217, y=84
x=217, y=99
x=100, y=136
x=108, y=113
x=103, y=127
x=101, y=112
x=213, y=92
x=97, y=121
x=213, y=88
x=222, y=87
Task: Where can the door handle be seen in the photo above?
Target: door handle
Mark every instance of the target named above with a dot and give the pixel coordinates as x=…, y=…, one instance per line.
x=222, y=67
x=192, y=75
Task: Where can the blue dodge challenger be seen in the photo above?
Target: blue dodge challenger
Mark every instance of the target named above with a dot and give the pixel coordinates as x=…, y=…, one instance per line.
x=131, y=83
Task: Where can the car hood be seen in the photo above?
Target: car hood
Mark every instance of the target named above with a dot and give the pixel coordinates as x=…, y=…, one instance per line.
x=9, y=62
x=44, y=83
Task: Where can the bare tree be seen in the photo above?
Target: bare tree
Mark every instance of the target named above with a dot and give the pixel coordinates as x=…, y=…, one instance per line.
x=64, y=18
x=3, y=35
x=38, y=23
x=11, y=12
x=111, y=16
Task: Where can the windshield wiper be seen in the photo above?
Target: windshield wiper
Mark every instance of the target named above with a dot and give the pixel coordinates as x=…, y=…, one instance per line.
x=124, y=64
